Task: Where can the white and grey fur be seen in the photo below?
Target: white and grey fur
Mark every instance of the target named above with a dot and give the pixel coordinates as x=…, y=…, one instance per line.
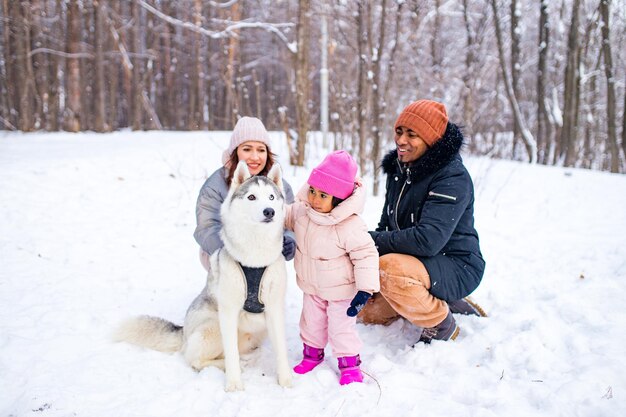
x=216, y=328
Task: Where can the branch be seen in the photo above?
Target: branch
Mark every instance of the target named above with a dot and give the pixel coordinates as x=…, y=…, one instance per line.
x=223, y=5
x=180, y=23
x=59, y=53
x=7, y=123
x=226, y=33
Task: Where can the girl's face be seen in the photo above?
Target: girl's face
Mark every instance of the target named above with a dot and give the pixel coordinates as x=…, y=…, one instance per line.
x=254, y=154
x=319, y=200
x=409, y=145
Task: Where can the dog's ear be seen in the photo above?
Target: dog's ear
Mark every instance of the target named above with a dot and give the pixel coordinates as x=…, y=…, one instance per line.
x=241, y=174
x=276, y=176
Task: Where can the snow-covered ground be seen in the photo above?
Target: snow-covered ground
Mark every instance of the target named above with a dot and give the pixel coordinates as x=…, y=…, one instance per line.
x=96, y=228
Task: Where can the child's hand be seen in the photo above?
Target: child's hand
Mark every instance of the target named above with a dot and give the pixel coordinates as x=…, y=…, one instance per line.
x=289, y=247
x=357, y=303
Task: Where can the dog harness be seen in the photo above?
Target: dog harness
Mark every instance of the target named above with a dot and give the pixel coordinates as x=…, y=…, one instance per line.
x=253, y=284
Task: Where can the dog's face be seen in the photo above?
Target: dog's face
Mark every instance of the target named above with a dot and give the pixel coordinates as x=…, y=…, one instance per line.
x=256, y=199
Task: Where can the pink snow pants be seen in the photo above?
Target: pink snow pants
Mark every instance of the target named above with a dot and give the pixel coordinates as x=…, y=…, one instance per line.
x=326, y=322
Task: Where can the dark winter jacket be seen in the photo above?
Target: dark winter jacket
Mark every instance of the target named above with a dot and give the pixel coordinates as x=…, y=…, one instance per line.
x=429, y=214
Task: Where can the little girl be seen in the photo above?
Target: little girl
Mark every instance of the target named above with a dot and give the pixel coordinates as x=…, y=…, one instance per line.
x=336, y=263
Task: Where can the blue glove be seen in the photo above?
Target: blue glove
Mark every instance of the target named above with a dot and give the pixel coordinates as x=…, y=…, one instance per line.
x=289, y=247
x=357, y=303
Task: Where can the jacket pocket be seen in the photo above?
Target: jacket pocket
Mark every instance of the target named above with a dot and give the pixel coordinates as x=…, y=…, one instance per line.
x=333, y=272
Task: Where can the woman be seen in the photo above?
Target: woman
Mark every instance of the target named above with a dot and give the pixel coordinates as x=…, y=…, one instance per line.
x=249, y=142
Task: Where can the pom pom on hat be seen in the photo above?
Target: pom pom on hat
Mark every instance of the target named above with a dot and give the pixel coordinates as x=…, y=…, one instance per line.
x=335, y=175
x=247, y=129
x=427, y=118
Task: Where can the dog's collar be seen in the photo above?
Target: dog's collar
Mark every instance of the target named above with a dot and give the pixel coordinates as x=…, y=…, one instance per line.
x=253, y=284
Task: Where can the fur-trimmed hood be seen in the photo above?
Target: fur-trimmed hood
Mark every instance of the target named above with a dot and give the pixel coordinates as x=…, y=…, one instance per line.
x=438, y=156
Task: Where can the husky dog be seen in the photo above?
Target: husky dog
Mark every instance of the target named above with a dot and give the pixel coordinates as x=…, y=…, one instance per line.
x=244, y=297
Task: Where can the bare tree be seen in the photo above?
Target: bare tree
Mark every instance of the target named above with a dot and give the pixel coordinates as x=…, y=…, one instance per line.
x=380, y=88
x=100, y=90
x=302, y=77
x=93, y=64
x=515, y=62
x=72, y=99
x=610, y=85
x=543, y=123
x=569, y=131
x=362, y=99
x=529, y=141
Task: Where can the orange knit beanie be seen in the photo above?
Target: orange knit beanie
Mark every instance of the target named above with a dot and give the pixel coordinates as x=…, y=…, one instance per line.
x=427, y=118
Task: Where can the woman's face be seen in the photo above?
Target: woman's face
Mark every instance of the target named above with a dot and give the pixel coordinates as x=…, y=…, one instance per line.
x=409, y=145
x=254, y=154
x=319, y=200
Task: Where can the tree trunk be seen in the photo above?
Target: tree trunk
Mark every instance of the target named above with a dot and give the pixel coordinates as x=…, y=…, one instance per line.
x=53, y=116
x=435, y=52
x=166, y=92
x=468, y=108
x=543, y=126
x=302, y=78
x=515, y=64
x=39, y=33
x=115, y=70
x=568, y=140
x=610, y=86
x=377, y=118
x=529, y=141
x=24, y=75
x=99, y=88
x=624, y=127
x=232, y=107
x=72, y=98
x=137, y=82
x=8, y=110
x=362, y=36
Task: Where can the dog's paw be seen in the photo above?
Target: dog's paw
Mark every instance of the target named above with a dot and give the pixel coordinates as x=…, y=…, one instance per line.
x=233, y=385
x=285, y=380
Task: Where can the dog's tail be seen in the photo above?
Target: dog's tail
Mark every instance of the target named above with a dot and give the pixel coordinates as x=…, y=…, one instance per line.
x=150, y=332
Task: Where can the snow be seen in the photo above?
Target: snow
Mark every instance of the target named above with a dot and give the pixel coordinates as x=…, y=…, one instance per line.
x=96, y=228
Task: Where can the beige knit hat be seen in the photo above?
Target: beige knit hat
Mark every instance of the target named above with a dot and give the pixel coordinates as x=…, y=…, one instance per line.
x=427, y=118
x=247, y=129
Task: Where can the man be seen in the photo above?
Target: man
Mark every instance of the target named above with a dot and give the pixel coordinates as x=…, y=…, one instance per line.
x=430, y=258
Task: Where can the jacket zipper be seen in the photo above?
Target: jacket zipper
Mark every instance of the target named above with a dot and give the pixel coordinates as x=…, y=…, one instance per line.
x=449, y=197
x=407, y=181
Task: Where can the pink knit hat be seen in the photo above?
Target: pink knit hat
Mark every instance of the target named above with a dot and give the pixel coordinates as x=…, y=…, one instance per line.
x=247, y=129
x=335, y=175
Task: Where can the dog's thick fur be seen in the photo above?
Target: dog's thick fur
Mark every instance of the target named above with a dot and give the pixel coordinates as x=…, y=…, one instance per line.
x=216, y=328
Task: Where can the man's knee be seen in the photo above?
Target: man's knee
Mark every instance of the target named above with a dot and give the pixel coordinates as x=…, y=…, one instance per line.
x=399, y=270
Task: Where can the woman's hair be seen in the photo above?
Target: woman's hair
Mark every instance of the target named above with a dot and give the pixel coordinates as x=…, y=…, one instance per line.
x=232, y=162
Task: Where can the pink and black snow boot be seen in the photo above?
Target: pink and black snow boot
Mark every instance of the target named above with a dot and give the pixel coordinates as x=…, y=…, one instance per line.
x=312, y=358
x=350, y=371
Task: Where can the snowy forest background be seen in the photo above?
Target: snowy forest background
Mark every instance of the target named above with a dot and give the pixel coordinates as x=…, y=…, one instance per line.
x=531, y=80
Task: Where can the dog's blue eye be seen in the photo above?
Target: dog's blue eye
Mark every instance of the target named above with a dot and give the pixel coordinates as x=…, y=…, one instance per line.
x=251, y=197
x=271, y=196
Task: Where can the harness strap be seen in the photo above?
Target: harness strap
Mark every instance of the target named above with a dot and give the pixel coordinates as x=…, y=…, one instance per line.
x=253, y=285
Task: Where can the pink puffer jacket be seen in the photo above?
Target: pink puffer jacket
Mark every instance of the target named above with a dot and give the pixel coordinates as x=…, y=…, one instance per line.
x=335, y=256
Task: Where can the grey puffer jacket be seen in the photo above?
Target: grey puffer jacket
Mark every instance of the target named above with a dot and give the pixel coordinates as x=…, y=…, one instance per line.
x=208, y=219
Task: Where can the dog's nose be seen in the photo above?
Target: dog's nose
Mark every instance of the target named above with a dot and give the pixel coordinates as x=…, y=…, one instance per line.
x=268, y=212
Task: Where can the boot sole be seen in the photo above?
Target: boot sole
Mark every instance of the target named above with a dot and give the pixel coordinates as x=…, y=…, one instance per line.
x=455, y=334
x=479, y=309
